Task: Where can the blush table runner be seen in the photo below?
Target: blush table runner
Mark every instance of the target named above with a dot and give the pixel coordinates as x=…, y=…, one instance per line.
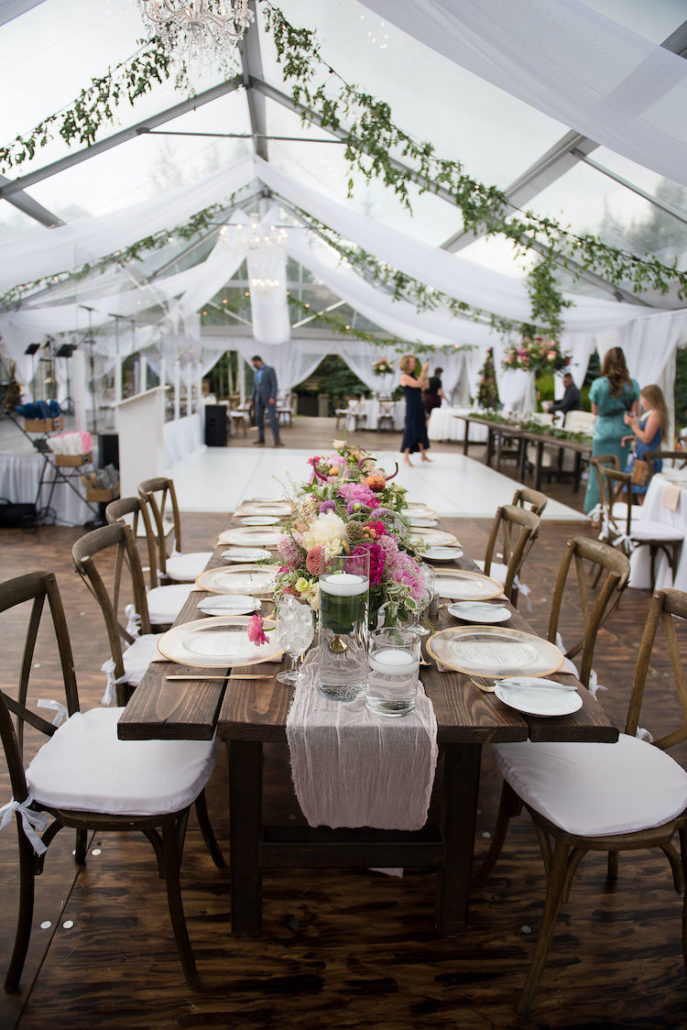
x=352, y=767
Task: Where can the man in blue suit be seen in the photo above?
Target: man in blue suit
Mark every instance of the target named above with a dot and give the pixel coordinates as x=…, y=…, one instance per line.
x=264, y=396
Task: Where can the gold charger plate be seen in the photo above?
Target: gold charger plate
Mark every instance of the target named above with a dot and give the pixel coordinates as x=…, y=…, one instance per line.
x=494, y=652
x=238, y=579
x=430, y=537
x=218, y=643
x=462, y=585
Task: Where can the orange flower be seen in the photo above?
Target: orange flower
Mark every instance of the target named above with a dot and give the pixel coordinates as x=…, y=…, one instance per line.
x=376, y=483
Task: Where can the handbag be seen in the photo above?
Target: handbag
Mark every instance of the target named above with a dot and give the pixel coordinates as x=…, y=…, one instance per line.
x=640, y=473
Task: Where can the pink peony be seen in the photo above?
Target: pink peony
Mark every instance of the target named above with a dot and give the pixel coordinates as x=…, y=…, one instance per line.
x=312, y=562
x=290, y=551
x=357, y=493
x=377, y=561
x=256, y=633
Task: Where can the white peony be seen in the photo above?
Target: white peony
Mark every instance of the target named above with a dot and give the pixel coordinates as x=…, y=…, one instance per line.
x=328, y=530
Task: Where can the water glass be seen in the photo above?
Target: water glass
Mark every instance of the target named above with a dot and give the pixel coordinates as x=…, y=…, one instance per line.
x=394, y=661
x=428, y=592
x=342, y=642
x=295, y=632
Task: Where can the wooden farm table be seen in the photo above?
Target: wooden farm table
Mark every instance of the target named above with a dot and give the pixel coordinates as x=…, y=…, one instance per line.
x=499, y=431
x=248, y=714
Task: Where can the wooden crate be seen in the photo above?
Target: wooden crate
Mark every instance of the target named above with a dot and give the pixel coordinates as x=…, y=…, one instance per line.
x=44, y=425
x=100, y=494
x=72, y=460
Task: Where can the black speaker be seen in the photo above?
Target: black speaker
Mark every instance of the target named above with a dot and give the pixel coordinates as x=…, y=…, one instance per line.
x=215, y=425
x=109, y=450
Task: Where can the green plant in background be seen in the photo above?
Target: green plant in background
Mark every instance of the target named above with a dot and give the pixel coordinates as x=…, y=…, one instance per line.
x=338, y=381
x=487, y=392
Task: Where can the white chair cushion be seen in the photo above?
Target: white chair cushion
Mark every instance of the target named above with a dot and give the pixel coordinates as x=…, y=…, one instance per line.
x=596, y=789
x=85, y=767
x=619, y=510
x=498, y=570
x=138, y=657
x=165, y=603
x=186, y=567
x=655, y=531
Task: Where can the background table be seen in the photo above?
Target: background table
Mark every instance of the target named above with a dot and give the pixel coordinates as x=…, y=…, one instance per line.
x=447, y=423
x=653, y=510
x=373, y=409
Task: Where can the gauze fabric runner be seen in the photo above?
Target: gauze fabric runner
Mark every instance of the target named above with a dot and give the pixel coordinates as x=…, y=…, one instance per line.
x=351, y=767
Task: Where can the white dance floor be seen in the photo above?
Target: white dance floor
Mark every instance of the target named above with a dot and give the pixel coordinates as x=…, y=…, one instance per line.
x=218, y=479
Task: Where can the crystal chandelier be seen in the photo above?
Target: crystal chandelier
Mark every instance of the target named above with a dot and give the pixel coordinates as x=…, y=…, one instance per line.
x=197, y=28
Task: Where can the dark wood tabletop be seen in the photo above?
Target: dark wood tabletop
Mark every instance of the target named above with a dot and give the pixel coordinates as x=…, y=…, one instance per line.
x=257, y=709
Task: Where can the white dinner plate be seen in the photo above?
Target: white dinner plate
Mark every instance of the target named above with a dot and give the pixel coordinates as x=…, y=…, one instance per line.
x=479, y=611
x=229, y=604
x=246, y=554
x=239, y=579
x=461, y=585
x=421, y=521
x=218, y=643
x=418, y=508
x=537, y=697
x=263, y=506
x=251, y=536
x=677, y=476
x=259, y=520
x=441, y=553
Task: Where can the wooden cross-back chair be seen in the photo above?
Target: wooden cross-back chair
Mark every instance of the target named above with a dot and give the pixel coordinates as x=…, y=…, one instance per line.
x=606, y=797
x=533, y=500
x=131, y=661
x=164, y=602
x=619, y=531
x=679, y=458
x=160, y=495
x=589, y=559
x=598, y=462
x=70, y=781
x=515, y=530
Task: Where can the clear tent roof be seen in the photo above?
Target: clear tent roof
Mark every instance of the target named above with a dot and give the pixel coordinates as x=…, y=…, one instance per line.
x=51, y=51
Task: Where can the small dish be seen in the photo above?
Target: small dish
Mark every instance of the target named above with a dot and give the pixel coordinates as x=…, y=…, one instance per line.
x=441, y=553
x=546, y=698
x=259, y=520
x=246, y=554
x=479, y=611
x=421, y=521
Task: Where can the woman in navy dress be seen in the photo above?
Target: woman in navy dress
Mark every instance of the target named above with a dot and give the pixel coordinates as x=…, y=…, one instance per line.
x=415, y=429
x=649, y=429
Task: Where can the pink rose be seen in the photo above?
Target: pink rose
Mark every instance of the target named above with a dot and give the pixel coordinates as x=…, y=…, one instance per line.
x=256, y=633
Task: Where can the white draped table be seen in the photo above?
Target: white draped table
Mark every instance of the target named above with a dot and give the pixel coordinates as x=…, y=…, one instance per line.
x=445, y=423
x=20, y=475
x=372, y=409
x=654, y=511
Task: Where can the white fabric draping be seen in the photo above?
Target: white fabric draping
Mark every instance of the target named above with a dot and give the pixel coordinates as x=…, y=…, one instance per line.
x=20, y=476
x=182, y=437
x=568, y=61
x=88, y=239
x=292, y=364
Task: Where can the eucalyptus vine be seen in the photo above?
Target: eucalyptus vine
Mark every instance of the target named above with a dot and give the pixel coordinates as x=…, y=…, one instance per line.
x=374, y=139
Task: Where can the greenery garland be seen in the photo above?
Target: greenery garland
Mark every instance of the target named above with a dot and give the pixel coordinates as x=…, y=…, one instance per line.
x=96, y=103
x=374, y=139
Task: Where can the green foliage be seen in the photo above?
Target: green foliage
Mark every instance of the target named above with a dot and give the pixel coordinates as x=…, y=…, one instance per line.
x=681, y=388
x=488, y=392
x=338, y=381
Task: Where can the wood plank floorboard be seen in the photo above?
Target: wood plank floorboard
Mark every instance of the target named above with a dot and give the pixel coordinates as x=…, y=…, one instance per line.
x=346, y=948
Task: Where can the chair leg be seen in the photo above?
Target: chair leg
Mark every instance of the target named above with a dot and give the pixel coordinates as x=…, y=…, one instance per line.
x=27, y=872
x=675, y=867
x=612, y=865
x=554, y=895
x=207, y=831
x=683, y=856
x=510, y=805
x=81, y=847
x=172, y=844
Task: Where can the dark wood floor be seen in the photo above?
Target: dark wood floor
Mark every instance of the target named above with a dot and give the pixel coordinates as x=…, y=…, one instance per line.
x=340, y=948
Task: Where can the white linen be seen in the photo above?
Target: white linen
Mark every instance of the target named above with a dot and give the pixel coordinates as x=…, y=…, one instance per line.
x=20, y=475
x=569, y=61
x=373, y=409
x=165, y=603
x=181, y=437
x=652, y=511
x=445, y=424
x=138, y=657
x=351, y=767
x=596, y=789
x=85, y=767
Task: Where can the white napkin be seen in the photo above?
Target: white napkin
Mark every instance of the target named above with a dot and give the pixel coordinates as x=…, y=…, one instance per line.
x=351, y=767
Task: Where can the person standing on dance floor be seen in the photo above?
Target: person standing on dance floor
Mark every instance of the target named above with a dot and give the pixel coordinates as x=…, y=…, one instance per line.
x=415, y=428
x=612, y=396
x=264, y=399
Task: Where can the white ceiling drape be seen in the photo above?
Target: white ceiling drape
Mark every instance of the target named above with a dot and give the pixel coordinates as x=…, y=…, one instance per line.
x=568, y=61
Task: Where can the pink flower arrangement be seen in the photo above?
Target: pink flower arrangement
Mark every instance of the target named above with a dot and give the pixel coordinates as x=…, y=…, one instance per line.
x=256, y=633
x=357, y=493
x=377, y=561
x=313, y=559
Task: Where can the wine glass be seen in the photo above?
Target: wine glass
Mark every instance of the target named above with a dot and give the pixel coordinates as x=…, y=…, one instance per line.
x=295, y=632
x=428, y=591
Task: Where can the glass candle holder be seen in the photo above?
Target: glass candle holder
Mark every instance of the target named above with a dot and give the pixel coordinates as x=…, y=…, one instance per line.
x=343, y=630
x=394, y=661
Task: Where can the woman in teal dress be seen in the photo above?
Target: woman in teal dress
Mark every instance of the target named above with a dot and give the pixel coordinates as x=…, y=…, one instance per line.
x=612, y=396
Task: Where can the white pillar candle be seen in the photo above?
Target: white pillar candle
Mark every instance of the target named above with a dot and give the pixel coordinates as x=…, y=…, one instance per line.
x=343, y=584
x=393, y=662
